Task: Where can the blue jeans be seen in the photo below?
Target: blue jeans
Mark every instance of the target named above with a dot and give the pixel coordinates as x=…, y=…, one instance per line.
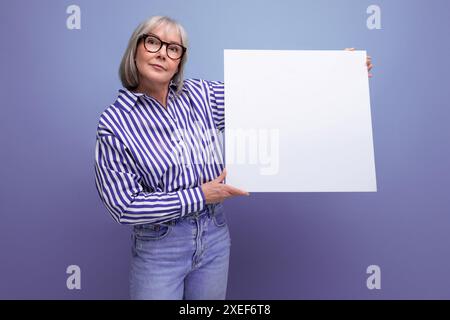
x=186, y=258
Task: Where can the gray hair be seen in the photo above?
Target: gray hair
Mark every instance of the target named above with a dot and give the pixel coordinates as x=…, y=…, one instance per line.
x=128, y=72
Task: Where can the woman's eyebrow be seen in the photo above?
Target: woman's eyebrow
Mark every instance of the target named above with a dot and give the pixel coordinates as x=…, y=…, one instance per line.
x=174, y=42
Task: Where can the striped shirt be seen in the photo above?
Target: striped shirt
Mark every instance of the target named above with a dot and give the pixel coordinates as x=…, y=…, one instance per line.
x=151, y=161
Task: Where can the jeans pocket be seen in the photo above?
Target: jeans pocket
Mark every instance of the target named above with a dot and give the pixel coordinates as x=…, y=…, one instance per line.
x=151, y=232
x=219, y=217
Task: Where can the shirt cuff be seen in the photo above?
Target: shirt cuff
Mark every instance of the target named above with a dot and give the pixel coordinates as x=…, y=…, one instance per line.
x=191, y=200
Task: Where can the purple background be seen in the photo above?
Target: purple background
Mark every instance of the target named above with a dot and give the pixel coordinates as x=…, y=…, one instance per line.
x=56, y=82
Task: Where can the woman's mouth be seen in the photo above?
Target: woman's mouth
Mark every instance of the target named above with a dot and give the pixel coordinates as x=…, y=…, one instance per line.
x=157, y=67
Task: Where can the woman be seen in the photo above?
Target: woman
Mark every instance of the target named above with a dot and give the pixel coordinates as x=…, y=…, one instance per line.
x=159, y=168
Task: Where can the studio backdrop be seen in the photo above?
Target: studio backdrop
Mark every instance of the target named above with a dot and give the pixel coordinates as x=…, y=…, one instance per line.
x=59, y=71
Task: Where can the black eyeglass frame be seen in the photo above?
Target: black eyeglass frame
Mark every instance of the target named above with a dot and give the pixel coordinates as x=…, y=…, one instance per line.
x=146, y=35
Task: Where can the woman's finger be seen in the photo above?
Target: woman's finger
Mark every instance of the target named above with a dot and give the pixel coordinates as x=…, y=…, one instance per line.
x=222, y=176
x=236, y=191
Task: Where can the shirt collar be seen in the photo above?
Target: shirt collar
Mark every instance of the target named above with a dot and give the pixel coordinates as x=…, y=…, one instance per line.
x=127, y=99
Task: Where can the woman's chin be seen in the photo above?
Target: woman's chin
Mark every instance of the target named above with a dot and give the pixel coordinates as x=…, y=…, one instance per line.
x=152, y=78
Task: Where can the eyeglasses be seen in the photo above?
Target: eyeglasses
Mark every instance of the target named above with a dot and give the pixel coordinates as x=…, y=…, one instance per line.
x=153, y=44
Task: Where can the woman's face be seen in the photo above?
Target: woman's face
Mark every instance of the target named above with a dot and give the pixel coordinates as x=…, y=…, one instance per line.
x=146, y=61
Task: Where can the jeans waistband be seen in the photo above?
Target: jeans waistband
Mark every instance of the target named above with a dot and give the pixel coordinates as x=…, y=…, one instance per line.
x=209, y=209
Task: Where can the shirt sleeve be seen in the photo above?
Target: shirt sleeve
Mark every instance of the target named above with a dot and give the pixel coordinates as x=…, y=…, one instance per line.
x=217, y=102
x=118, y=184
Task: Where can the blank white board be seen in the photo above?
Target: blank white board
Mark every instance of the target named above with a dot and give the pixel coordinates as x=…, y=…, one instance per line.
x=298, y=121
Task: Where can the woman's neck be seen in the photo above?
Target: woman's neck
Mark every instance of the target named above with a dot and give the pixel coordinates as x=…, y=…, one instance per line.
x=159, y=92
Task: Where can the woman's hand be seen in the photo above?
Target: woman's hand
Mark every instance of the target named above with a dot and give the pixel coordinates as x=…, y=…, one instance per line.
x=368, y=61
x=216, y=191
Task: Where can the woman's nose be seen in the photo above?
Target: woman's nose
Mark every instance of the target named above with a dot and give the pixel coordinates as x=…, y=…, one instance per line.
x=164, y=46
